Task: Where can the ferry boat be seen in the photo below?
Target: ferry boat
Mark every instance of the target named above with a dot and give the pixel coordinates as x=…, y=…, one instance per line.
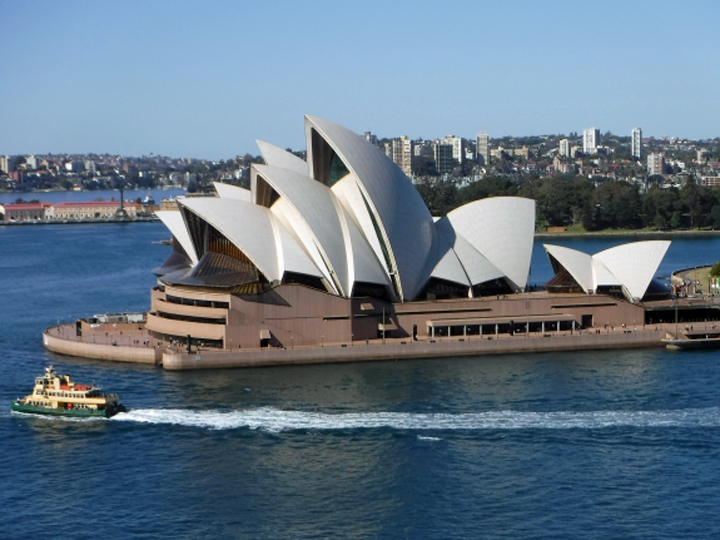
x=57, y=395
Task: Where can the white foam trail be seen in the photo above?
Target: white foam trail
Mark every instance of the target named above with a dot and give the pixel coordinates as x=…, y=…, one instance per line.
x=276, y=420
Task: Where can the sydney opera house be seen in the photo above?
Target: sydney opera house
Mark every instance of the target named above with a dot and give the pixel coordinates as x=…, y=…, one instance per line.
x=341, y=249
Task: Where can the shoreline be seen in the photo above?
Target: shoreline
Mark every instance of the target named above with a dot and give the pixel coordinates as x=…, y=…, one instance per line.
x=538, y=235
x=150, y=219
x=641, y=233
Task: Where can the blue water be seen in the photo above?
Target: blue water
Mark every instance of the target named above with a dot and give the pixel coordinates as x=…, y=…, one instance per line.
x=612, y=444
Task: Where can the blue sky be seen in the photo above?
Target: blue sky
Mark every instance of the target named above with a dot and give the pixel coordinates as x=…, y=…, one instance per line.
x=205, y=79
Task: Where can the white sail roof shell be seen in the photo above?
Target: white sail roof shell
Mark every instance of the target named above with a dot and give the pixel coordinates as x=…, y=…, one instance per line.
x=257, y=233
x=501, y=229
x=401, y=214
x=347, y=191
x=578, y=264
x=631, y=266
x=228, y=191
x=475, y=267
x=634, y=264
x=370, y=226
x=329, y=229
x=275, y=156
x=173, y=220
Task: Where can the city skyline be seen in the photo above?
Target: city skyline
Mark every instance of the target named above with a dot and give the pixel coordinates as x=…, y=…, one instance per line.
x=204, y=80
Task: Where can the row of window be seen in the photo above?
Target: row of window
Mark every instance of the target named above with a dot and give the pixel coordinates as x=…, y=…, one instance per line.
x=63, y=394
x=183, y=340
x=191, y=318
x=197, y=303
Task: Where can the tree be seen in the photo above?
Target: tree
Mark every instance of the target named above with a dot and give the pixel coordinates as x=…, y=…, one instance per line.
x=490, y=186
x=658, y=206
x=560, y=201
x=439, y=197
x=615, y=205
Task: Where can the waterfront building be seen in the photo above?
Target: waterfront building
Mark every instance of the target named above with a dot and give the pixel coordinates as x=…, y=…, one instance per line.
x=483, y=147
x=341, y=248
x=92, y=210
x=24, y=212
x=591, y=140
x=334, y=240
x=636, y=143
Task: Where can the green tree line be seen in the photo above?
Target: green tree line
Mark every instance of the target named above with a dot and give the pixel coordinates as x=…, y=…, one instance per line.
x=568, y=201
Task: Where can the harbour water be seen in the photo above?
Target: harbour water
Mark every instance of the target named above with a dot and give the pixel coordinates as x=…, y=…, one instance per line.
x=610, y=444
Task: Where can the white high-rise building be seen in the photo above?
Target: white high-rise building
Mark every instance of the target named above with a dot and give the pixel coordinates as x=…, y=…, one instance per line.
x=591, y=140
x=636, y=144
x=483, y=147
x=564, y=150
x=5, y=164
x=402, y=154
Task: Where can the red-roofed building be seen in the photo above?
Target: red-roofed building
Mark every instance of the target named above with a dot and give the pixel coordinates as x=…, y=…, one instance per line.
x=24, y=212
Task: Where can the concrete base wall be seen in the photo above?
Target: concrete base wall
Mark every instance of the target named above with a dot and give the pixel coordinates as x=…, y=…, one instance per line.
x=410, y=349
x=141, y=355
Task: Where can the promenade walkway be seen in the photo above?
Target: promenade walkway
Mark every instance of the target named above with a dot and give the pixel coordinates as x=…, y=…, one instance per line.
x=130, y=342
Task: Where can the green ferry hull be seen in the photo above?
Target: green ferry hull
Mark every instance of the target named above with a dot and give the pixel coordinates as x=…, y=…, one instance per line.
x=71, y=413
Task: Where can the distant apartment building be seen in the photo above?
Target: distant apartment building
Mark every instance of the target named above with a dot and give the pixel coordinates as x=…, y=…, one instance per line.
x=564, y=148
x=591, y=140
x=655, y=164
x=563, y=167
x=401, y=152
x=372, y=139
x=523, y=152
x=75, y=166
x=31, y=163
x=456, y=143
x=443, y=154
x=483, y=147
x=710, y=181
x=636, y=143
x=5, y=164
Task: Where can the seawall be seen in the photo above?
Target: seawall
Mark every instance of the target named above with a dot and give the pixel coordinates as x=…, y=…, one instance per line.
x=399, y=350
x=119, y=353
